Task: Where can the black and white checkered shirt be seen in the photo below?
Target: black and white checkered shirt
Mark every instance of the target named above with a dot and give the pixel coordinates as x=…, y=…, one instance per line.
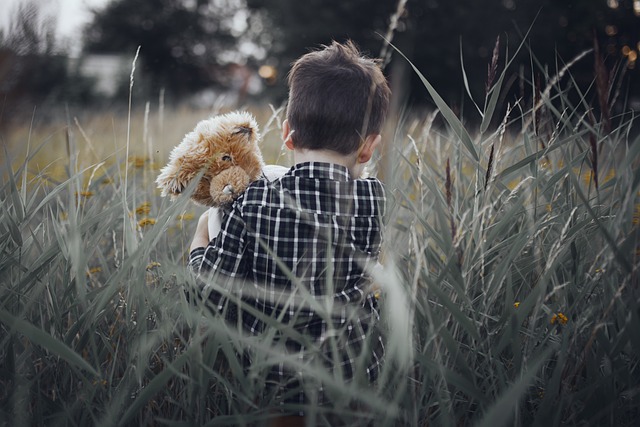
x=298, y=248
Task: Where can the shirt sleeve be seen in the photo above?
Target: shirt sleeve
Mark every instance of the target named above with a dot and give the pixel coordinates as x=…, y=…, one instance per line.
x=195, y=259
x=222, y=262
x=225, y=253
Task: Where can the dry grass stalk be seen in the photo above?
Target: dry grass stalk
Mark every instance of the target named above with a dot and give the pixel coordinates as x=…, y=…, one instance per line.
x=493, y=154
x=126, y=160
x=544, y=96
x=385, y=53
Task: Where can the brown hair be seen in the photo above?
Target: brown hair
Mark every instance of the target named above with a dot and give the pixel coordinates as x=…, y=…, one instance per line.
x=337, y=97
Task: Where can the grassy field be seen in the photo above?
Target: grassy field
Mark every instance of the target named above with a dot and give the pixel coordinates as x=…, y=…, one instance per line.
x=510, y=289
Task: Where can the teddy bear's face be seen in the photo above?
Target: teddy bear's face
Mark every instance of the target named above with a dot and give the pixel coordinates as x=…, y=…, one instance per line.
x=225, y=149
x=234, y=163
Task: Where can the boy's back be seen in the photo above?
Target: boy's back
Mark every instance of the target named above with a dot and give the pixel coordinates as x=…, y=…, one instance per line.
x=302, y=245
x=315, y=220
x=306, y=241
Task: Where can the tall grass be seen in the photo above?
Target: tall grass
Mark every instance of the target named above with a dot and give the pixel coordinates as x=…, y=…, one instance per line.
x=510, y=288
x=523, y=256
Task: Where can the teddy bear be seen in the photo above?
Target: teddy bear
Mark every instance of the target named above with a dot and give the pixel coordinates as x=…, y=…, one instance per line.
x=223, y=152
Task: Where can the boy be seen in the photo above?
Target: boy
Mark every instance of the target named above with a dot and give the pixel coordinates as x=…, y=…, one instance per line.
x=305, y=242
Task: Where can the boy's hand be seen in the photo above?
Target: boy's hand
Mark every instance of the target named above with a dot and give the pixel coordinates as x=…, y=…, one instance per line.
x=201, y=238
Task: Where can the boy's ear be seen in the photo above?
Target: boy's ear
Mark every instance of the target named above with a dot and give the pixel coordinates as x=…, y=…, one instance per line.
x=286, y=134
x=367, y=148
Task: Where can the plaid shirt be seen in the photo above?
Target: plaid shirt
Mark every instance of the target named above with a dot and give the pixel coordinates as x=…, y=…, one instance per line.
x=296, y=246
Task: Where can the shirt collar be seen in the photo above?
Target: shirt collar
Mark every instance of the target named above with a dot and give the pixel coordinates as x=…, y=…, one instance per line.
x=321, y=170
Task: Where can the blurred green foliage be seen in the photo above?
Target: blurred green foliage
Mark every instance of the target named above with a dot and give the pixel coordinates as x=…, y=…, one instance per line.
x=182, y=43
x=435, y=33
x=32, y=70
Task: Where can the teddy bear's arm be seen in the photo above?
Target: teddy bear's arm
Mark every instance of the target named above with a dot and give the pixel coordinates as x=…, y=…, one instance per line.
x=183, y=167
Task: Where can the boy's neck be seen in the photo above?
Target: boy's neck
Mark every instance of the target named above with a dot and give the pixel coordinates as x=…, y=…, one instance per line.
x=329, y=156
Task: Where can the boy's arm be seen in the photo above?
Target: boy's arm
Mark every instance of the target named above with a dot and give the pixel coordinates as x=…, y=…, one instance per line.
x=222, y=253
x=209, y=224
x=201, y=236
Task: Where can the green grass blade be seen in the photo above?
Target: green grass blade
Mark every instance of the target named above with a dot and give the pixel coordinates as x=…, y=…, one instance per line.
x=447, y=113
x=619, y=256
x=501, y=413
x=43, y=339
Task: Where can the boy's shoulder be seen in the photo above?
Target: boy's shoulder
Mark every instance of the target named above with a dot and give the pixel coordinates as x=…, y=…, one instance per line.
x=318, y=188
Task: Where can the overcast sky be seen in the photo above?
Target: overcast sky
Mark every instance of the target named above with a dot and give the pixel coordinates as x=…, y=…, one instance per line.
x=71, y=15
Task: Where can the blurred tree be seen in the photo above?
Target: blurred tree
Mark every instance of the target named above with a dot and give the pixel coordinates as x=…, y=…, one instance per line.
x=32, y=70
x=183, y=42
x=297, y=26
x=431, y=33
x=30, y=32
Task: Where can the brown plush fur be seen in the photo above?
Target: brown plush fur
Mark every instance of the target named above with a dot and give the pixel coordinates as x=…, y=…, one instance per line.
x=225, y=149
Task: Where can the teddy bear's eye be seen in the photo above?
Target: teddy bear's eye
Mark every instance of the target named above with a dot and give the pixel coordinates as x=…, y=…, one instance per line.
x=226, y=158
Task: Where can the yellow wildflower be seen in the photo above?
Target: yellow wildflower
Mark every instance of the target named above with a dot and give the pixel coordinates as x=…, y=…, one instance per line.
x=610, y=175
x=587, y=177
x=94, y=270
x=146, y=221
x=513, y=184
x=636, y=214
x=549, y=207
x=545, y=164
x=144, y=208
x=153, y=264
x=516, y=304
x=560, y=318
x=468, y=170
x=187, y=216
x=85, y=194
x=138, y=162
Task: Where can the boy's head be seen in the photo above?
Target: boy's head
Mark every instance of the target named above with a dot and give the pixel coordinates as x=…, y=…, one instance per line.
x=337, y=97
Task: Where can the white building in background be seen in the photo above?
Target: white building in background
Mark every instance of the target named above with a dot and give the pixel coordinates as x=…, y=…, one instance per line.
x=108, y=70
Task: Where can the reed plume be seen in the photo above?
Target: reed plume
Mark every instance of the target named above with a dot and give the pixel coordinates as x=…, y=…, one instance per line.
x=489, y=167
x=492, y=67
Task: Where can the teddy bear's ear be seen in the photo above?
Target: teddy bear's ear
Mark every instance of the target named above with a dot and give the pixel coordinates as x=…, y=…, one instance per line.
x=245, y=129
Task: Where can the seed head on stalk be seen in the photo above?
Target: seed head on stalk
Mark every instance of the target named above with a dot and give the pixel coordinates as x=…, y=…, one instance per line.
x=487, y=177
x=492, y=67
